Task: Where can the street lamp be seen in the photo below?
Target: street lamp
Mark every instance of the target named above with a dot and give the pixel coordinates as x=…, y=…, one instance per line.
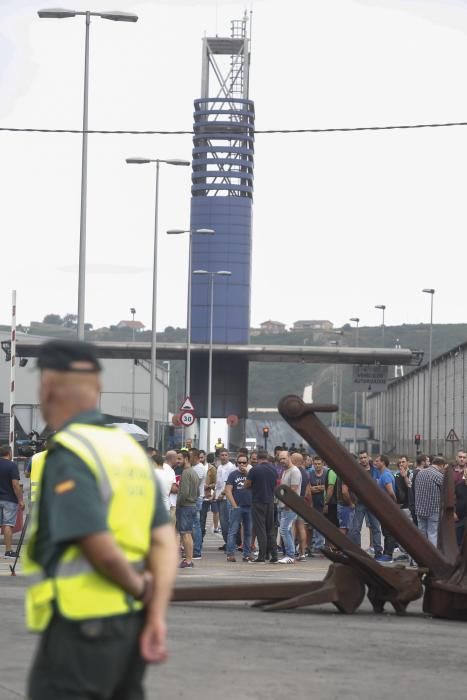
x=334, y=398
x=60, y=13
x=431, y=292
x=133, y=378
x=202, y=232
x=220, y=273
x=381, y=307
x=153, y=382
x=356, y=321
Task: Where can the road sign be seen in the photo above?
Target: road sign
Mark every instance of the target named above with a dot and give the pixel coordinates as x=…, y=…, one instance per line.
x=370, y=377
x=187, y=418
x=452, y=436
x=187, y=405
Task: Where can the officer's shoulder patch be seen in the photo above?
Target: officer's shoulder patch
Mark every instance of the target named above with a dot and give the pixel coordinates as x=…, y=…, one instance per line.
x=65, y=486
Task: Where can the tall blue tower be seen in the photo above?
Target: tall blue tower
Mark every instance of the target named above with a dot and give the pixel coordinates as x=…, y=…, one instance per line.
x=222, y=197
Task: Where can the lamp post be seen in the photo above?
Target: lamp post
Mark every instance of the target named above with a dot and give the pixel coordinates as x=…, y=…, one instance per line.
x=133, y=378
x=202, y=232
x=334, y=398
x=221, y=273
x=115, y=17
x=382, y=308
x=153, y=381
x=356, y=321
x=431, y=292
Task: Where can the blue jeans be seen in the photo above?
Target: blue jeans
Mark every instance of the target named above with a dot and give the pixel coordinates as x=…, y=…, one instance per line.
x=345, y=515
x=285, y=528
x=197, y=535
x=224, y=517
x=355, y=528
x=428, y=524
x=238, y=516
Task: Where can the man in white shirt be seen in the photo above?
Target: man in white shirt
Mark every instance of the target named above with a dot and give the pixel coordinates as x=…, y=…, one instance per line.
x=291, y=477
x=166, y=477
x=174, y=462
x=201, y=470
x=224, y=469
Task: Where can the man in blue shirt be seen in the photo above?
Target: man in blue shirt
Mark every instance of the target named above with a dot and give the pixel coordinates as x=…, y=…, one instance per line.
x=361, y=512
x=11, y=498
x=240, y=499
x=387, y=483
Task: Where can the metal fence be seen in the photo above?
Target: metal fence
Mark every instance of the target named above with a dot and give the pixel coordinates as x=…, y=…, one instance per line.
x=401, y=412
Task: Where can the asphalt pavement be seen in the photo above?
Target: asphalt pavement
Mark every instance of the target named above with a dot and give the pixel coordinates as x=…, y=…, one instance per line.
x=227, y=651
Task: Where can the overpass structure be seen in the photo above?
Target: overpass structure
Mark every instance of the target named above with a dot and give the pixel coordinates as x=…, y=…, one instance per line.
x=249, y=353
x=231, y=363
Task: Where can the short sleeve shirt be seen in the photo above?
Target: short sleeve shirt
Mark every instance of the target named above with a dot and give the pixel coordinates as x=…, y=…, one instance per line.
x=66, y=516
x=241, y=495
x=263, y=479
x=331, y=480
x=8, y=472
x=387, y=477
x=291, y=477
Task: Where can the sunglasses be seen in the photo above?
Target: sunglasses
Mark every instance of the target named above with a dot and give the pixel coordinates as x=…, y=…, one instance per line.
x=238, y=462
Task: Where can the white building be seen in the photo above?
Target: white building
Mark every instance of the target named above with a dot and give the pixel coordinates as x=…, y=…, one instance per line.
x=116, y=396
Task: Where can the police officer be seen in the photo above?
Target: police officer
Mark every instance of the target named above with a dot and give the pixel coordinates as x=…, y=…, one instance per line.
x=102, y=551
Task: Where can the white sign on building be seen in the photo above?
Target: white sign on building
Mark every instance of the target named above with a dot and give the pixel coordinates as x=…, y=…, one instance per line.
x=370, y=377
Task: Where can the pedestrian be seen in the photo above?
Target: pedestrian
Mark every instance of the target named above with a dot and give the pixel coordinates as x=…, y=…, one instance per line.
x=11, y=498
x=361, y=512
x=291, y=477
x=461, y=508
x=209, y=504
x=301, y=527
x=224, y=468
x=461, y=463
x=166, y=476
x=186, y=511
x=262, y=481
x=427, y=487
x=240, y=515
x=170, y=474
x=387, y=483
x=317, y=476
x=101, y=546
x=330, y=499
x=253, y=458
x=201, y=469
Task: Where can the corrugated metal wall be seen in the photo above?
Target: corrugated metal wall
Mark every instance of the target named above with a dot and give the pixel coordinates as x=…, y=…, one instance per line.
x=405, y=407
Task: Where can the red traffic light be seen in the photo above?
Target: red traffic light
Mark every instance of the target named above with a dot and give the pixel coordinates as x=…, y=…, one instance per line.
x=265, y=432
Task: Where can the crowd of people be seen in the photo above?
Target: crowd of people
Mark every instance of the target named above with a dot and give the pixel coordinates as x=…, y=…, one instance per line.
x=256, y=527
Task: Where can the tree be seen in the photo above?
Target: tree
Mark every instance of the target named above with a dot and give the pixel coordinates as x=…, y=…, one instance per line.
x=54, y=319
x=70, y=320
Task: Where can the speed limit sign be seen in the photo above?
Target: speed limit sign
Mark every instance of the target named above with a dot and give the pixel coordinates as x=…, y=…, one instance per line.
x=187, y=418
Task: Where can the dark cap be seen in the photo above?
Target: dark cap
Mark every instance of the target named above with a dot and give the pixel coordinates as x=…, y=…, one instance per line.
x=68, y=356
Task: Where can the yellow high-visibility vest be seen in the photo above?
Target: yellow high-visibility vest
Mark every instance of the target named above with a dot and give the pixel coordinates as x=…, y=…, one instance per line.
x=127, y=486
x=37, y=467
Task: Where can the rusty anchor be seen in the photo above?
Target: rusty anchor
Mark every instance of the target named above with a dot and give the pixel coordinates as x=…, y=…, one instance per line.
x=353, y=572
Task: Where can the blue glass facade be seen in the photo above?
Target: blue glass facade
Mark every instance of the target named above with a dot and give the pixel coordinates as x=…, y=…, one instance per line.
x=222, y=191
x=228, y=249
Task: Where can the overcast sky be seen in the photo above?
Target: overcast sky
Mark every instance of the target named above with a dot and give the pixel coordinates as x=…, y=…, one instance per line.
x=341, y=221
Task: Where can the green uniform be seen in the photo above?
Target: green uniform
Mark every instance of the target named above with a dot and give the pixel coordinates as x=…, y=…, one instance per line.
x=94, y=658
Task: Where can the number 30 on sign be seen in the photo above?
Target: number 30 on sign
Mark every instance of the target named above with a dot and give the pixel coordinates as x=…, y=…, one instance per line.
x=187, y=418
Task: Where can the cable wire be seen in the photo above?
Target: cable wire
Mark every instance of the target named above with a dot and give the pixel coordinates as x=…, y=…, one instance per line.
x=181, y=132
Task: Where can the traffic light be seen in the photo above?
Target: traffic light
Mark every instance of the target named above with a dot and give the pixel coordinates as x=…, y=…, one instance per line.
x=266, y=432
